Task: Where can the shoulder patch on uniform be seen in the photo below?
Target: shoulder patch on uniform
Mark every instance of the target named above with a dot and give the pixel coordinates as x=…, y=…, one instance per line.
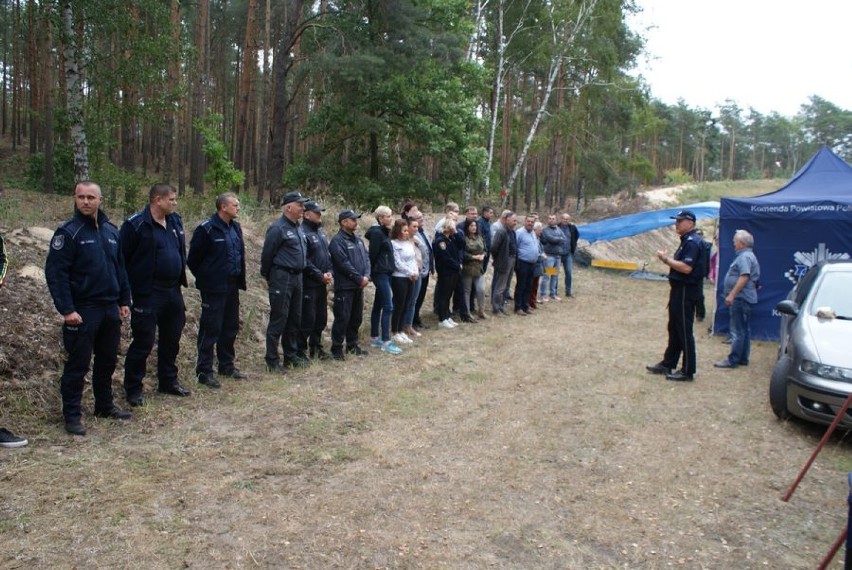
x=58, y=242
x=443, y=245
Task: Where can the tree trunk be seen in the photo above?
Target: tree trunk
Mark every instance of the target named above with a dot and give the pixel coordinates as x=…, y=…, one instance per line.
x=263, y=133
x=74, y=96
x=280, y=96
x=245, y=96
x=196, y=158
x=47, y=123
x=171, y=147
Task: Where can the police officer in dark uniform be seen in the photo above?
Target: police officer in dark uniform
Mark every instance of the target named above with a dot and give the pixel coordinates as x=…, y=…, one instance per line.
x=317, y=276
x=282, y=262
x=217, y=259
x=351, y=266
x=88, y=283
x=685, y=283
x=154, y=248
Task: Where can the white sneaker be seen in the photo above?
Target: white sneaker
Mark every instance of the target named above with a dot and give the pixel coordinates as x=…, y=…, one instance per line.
x=405, y=338
x=445, y=324
x=452, y=322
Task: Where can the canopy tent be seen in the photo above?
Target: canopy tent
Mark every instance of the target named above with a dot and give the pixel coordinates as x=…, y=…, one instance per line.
x=626, y=226
x=807, y=220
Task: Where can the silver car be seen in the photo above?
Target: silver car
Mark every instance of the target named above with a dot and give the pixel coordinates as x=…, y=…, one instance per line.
x=813, y=375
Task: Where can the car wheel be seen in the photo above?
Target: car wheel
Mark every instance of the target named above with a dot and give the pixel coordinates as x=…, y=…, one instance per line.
x=778, y=389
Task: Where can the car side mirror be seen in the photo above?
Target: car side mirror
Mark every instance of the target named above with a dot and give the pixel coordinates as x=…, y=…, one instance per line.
x=788, y=307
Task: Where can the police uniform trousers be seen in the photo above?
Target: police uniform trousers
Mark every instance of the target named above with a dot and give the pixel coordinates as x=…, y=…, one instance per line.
x=160, y=315
x=98, y=334
x=682, y=299
x=348, y=309
x=218, y=327
x=314, y=316
x=285, y=314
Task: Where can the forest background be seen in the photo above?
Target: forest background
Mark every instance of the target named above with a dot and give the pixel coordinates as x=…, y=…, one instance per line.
x=522, y=103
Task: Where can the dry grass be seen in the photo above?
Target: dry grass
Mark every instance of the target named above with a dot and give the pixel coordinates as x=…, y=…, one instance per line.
x=514, y=443
x=519, y=442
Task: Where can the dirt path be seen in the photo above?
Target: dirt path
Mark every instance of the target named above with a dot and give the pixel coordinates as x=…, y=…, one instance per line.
x=535, y=442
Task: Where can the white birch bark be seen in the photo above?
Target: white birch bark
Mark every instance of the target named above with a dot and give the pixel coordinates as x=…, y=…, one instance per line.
x=74, y=97
x=563, y=34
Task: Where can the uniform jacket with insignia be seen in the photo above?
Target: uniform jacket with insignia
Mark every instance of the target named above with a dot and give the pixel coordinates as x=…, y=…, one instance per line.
x=319, y=259
x=350, y=261
x=139, y=249
x=284, y=246
x=208, y=255
x=85, y=265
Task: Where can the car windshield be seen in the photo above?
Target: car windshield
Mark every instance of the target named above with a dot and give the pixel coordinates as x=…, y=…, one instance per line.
x=833, y=291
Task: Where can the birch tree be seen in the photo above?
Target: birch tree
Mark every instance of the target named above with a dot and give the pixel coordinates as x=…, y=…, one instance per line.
x=74, y=95
x=563, y=34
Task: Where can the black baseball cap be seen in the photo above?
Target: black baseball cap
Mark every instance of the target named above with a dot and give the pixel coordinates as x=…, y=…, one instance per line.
x=347, y=215
x=293, y=197
x=314, y=207
x=685, y=215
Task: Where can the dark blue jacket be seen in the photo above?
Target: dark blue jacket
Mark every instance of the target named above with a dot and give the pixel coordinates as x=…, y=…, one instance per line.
x=85, y=265
x=350, y=261
x=139, y=249
x=208, y=255
x=690, y=252
x=381, y=250
x=484, y=227
x=319, y=259
x=284, y=246
x=447, y=255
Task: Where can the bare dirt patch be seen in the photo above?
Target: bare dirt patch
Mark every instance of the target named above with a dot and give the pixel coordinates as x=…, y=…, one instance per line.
x=512, y=443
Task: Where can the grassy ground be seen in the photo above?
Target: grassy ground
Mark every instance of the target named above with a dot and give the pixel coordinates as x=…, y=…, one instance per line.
x=518, y=442
x=535, y=442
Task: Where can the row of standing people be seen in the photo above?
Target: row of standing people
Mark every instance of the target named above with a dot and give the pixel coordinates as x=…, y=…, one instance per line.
x=99, y=274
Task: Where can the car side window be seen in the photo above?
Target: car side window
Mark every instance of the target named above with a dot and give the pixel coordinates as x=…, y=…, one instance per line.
x=806, y=283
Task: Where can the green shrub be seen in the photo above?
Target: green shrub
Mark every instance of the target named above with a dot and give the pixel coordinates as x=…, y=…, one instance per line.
x=676, y=176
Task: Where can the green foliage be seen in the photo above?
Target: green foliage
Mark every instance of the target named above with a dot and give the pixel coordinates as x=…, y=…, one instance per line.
x=221, y=173
x=676, y=176
x=63, y=169
x=121, y=189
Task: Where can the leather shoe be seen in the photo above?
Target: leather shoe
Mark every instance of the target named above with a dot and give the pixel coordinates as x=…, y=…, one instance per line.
x=175, y=390
x=724, y=364
x=276, y=368
x=679, y=376
x=135, y=400
x=357, y=351
x=75, y=427
x=320, y=354
x=658, y=369
x=208, y=379
x=338, y=356
x=298, y=362
x=114, y=413
x=234, y=373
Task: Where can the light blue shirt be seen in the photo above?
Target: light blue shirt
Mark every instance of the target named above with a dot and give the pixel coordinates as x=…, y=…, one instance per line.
x=527, y=245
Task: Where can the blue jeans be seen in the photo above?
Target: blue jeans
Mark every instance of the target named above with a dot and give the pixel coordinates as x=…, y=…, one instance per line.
x=568, y=267
x=740, y=332
x=549, y=283
x=408, y=320
x=382, y=306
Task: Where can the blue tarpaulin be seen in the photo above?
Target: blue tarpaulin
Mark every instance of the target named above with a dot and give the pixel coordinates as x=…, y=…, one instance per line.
x=634, y=224
x=807, y=220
